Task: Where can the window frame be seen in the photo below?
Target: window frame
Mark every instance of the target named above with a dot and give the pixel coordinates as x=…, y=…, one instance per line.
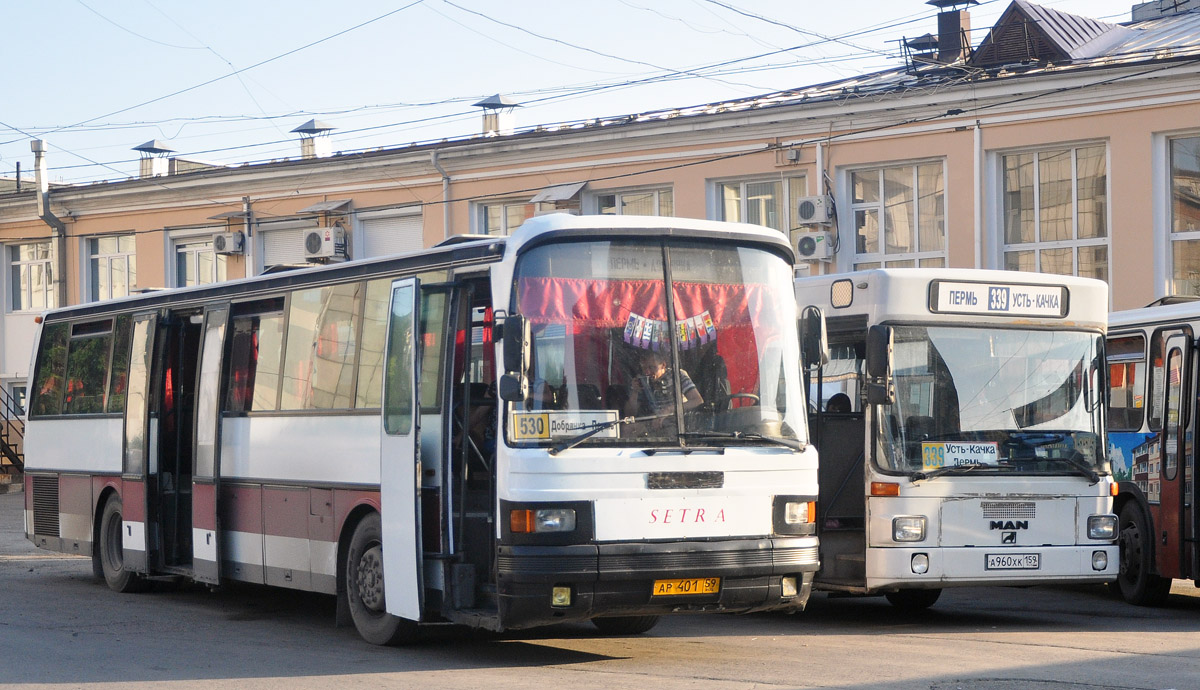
x=88, y=244
x=1075, y=243
x=179, y=239
x=1168, y=220
x=480, y=213
x=848, y=226
x=787, y=216
x=12, y=264
x=595, y=207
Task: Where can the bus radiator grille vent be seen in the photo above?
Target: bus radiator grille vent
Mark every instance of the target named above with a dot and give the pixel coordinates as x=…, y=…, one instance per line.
x=998, y=510
x=45, y=506
x=684, y=560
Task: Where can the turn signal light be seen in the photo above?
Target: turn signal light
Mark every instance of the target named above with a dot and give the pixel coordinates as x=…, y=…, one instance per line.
x=1113, y=489
x=541, y=520
x=885, y=489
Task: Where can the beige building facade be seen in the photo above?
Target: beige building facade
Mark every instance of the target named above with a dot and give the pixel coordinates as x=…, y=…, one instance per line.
x=1061, y=152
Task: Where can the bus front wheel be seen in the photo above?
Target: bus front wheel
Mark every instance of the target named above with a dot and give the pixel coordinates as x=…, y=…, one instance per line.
x=1136, y=582
x=625, y=625
x=913, y=599
x=364, y=587
x=111, y=555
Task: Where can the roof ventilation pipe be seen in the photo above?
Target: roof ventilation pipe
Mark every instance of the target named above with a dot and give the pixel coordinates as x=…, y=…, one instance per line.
x=314, y=139
x=498, y=117
x=58, y=229
x=155, y=161
x=954, y=29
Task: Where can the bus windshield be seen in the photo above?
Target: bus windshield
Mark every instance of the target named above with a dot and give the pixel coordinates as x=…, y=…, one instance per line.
x=994, y=401
x=611, y=356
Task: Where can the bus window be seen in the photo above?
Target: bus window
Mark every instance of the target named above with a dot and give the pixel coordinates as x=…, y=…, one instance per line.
x=255, y=351
x=51, y=371
x=318, y=365
x=118, y=380
x=370, y=350
x=1127, y=382
x=87, y=367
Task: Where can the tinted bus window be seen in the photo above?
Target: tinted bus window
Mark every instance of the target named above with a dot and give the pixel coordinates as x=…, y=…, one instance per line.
x=318, y=371
x=51, y=370
x=118, y=380
x=1126, y=382
x=87, y=367
x=256, y=347
x=370, y=351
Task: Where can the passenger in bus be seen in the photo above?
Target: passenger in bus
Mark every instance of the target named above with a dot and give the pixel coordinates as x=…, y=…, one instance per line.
x=653, y=393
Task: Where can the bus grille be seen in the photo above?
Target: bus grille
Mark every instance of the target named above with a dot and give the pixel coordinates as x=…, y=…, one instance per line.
x=1009, y=509
x=45, y=506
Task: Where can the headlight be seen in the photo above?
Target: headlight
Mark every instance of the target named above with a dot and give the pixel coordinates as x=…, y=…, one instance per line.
x=908, y=528
x=799, y=512
x=1102, y=527
x=542, y=520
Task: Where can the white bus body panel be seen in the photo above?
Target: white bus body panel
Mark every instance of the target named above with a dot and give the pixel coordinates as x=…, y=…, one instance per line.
x=90, y=445
x=310, y=448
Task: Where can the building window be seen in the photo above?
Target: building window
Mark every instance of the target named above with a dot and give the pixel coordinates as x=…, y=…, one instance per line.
x=761, y=202
x=1185, y=216
x=112, y=267
x=31, y=272
x=1056, y=211
x=899, y=216
x=197, y=264
x=17, y=393
x=504, y=218
x=649, y=202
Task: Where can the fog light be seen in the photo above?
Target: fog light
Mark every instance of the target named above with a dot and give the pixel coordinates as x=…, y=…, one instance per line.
x=1099, y=560
x=1102, y=527
x=789, y=586
x=908, y=528
x=920, y=563
x=560, y=596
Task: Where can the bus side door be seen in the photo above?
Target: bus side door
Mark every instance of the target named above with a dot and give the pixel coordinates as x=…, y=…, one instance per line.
x=206, y=473
x=1170, y=525
x=399, y=462
x=140, y=432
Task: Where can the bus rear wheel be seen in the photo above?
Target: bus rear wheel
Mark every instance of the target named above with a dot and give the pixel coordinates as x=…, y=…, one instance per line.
x=1136, y=582
x=111, y=555
x=364, y=588
x=625, y=625
x=913, y=599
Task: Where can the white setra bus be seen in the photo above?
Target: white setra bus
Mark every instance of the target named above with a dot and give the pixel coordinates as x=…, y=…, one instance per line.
x=596, y=418
x=960, y=420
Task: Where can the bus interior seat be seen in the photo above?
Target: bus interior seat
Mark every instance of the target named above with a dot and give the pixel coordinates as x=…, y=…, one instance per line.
x=616, y=397
x=713, y=383
x=919, y=427
x=589, y=396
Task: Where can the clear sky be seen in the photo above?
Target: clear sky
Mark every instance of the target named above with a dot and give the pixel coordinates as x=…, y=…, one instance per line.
x=226, y=81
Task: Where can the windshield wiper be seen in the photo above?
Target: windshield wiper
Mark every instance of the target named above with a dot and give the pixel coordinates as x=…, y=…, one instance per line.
x=744, y=436
x=576, y=440
x=1085, y=469
x=949, y=469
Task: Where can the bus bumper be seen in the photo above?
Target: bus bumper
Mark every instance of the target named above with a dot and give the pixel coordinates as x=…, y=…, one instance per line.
x=617, y=579
x=892, y=568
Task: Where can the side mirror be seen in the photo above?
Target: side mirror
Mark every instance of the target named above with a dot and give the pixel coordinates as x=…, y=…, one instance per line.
x=814, y=341
x=513, y=388
x=880, y=345
x=516, y=344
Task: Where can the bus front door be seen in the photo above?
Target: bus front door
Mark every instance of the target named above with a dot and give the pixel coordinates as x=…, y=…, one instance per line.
x=399, y=462
x=136, y=490
x=206, y=485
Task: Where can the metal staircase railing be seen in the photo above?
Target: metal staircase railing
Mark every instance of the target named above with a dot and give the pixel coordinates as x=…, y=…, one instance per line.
x=12, y=435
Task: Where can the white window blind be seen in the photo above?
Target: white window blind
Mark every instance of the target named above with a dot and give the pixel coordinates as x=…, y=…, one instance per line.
x=393, y=234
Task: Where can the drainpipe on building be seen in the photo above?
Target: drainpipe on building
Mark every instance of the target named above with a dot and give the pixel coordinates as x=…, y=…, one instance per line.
x=247, y=226
x=433, y=158
x=978, y=195
x=58, y=229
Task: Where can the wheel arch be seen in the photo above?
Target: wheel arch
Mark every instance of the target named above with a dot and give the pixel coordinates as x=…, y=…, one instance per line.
x=1129, y=494
x=355, y=516
x=107, y=491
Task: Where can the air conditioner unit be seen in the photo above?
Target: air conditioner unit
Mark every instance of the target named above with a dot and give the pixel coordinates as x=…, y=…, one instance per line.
x=814, y=246
x=323, y=245
x=229, y=242
x=814, y=210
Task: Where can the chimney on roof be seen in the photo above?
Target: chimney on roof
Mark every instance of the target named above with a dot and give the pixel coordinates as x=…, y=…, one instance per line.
x=155, y=162
x=954, y=29
x=498, y=117
x=314, y=139
x=1162, y=8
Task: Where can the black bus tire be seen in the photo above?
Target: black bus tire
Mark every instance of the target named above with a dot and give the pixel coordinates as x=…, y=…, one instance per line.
x=111, y=552
x=625, y=625
x=364, y=588
x=913, y=599
x=1136, y=582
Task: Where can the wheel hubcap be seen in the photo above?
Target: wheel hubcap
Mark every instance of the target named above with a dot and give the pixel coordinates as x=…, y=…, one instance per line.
x=370, y=578
x=1131, y=553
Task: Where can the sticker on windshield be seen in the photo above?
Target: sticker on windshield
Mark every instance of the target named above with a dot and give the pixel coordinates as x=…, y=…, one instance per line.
x=535, y=426
x=955, y=454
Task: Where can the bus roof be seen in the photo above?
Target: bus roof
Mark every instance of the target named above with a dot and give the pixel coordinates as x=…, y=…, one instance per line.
x=1157, y=314
x=457, y=251
x=960, y=295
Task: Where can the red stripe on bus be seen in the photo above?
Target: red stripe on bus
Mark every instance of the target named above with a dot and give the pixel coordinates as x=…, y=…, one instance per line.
x=133, y=500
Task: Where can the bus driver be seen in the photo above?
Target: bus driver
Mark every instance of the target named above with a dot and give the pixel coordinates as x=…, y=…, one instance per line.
x=653, y=393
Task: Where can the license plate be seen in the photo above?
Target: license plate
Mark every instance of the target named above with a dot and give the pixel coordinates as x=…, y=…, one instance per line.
x=1013, y=561
x=694, y=585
